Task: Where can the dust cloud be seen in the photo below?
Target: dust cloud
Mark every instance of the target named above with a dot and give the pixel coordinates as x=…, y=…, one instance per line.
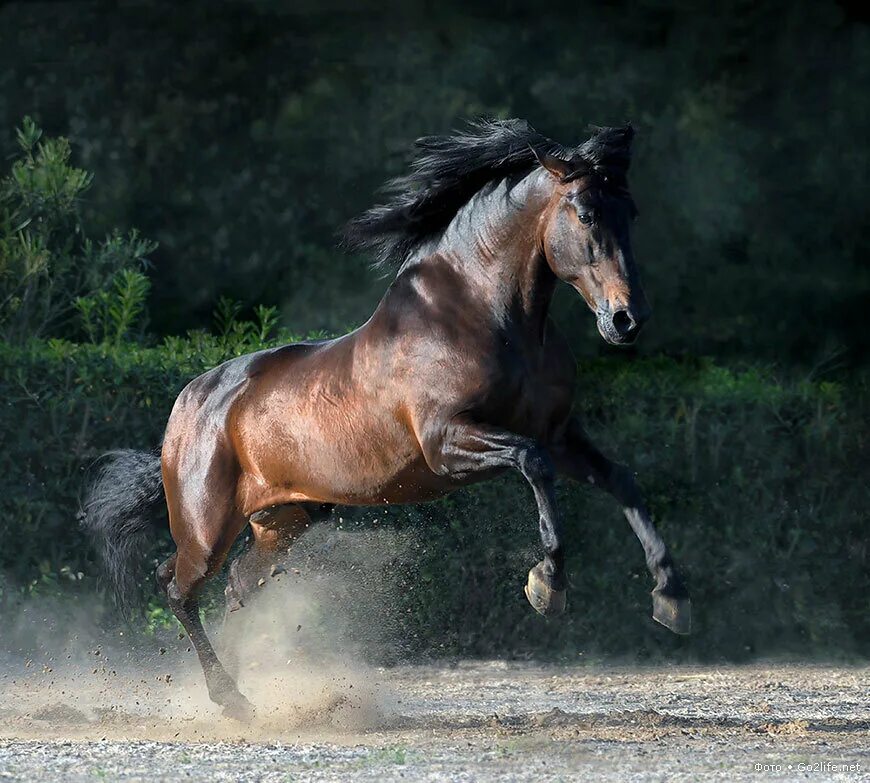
x=299, y=650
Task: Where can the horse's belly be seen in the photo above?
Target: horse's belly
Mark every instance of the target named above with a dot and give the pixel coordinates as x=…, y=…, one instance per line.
x=364, y=465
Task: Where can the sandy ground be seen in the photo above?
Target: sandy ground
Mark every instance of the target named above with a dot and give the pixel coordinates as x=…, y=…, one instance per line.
x=81, y=703
x=472, y=721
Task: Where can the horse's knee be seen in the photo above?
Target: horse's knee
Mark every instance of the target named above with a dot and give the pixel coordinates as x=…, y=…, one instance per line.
x=535, y=462
x=189, y=575
x=183, y=600
x=177, y=597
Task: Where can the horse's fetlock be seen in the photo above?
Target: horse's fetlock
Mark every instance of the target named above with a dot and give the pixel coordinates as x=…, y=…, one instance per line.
x=669, y=583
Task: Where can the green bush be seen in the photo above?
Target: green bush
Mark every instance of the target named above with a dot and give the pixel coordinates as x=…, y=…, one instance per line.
x=49, y=268
x=758, y=484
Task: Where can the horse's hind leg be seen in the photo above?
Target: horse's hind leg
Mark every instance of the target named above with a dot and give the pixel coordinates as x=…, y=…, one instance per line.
x=193, y=566
x=165, y=572
x=274, y=531
x=204, y=523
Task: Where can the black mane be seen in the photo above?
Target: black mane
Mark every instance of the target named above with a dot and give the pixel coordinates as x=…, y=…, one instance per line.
x=446, y=171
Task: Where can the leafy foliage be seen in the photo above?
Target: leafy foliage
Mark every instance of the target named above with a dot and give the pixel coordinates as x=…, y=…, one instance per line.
x=242, y=140
x=44, y=182
x=109, y=314
x=757, y=482
x=234, y=330
x=48, y=266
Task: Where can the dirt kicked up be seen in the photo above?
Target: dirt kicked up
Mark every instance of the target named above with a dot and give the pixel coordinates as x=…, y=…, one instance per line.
x=466, y=722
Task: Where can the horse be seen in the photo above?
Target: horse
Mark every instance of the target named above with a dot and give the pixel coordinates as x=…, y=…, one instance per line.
x=458, y=376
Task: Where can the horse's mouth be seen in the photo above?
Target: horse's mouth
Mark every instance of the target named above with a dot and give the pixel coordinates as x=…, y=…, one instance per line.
x=613, y=337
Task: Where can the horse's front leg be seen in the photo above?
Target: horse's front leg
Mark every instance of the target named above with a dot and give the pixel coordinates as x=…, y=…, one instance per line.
x=465, y=448
x=577, y=457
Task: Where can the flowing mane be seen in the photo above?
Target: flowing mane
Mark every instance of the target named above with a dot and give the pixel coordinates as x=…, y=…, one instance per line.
x=446, y=171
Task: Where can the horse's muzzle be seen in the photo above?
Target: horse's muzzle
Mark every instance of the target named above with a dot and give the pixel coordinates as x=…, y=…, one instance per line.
x=623, y=325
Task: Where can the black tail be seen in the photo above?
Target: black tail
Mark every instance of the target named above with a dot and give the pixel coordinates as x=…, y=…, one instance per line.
x=124, y=501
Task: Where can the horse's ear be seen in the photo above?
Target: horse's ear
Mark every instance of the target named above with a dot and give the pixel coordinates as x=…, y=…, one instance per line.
x=559, y=168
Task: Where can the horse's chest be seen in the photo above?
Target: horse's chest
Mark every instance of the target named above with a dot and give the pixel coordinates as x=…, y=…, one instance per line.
x=525, y=402
x=533, y=408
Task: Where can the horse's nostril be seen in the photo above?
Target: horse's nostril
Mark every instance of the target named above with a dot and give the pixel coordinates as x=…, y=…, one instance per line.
x=623, y=322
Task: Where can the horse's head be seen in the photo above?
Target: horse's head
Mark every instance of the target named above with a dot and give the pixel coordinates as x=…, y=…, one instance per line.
x=586, y=231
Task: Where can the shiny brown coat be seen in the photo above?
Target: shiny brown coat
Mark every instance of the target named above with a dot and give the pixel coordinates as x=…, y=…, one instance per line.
x=458, y=375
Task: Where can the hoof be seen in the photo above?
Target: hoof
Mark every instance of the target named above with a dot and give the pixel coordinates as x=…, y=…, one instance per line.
x=675, y=614
x=544, y=598
x=239, y=708
x=222, y=691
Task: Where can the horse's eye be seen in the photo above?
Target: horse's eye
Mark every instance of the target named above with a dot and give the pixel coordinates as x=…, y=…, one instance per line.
x=586, y=218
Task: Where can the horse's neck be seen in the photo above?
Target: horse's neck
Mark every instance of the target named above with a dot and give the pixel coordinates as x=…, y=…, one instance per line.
x=494, y=242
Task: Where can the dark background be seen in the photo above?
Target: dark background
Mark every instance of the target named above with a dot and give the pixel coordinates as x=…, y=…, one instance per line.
x=241, y=135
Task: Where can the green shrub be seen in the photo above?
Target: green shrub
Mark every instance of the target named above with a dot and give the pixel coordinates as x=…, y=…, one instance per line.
x=49, y=268
x=243, y=139
x=758, y=484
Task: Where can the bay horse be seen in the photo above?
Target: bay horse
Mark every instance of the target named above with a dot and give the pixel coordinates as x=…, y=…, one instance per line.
x=457, y=376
